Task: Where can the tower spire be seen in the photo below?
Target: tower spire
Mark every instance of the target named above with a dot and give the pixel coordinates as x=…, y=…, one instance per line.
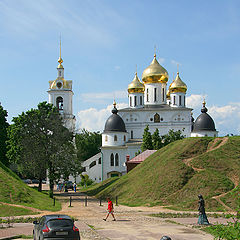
x=60, y=61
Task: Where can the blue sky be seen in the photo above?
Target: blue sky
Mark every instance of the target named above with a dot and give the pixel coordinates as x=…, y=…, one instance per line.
x=102, y=41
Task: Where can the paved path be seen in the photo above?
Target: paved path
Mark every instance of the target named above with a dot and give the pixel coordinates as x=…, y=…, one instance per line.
x=132, y=223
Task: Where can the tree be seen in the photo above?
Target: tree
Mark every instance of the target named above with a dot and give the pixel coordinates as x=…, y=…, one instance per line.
x=38, y=142
x=147, y=140
x=88, y=144
x=171, y=137
x=3, y=136
x=157, y=140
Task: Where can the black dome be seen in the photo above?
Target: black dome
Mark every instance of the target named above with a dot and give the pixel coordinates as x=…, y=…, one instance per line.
x=204, y=122
x=115, y=123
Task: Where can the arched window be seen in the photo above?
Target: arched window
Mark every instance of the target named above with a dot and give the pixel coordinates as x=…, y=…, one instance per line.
x=147, y=96
x=174, y=100
x=135, y=100
x=141, y=101
x=180, y=100
x=184, y=103
x=115, y=138
x=116, y=160
x=106, y=138
x=130, y=101
x=124, y=138
x=156, y=118
x=59, y=103
x=132, y=134
x=163, y=95
x=112, y=160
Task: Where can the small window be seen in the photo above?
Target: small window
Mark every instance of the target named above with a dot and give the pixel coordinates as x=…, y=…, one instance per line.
x=99, y=161
x=132, y=134
x=130, y=101
x=174, y=100
x=112, y=160
x=135, y=100
x=180, y=100
x=116, y=160
x=155, y=94
x=214, y=135
x=205, y=135
x=106, y=138
x=147, y=96
x=184, y=101
x=163, y=98
x=141, y=101
x=115, y=138
x=92, y=164
x=124, y=138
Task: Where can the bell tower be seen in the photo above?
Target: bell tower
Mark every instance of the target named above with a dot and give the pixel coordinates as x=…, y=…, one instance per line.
x=60, y=95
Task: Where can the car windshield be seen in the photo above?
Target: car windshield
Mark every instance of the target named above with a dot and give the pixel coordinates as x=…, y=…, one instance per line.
x=62, y=223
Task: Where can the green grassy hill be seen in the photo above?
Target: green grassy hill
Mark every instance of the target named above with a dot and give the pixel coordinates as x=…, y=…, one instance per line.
x=176, y=174
x=14, y=191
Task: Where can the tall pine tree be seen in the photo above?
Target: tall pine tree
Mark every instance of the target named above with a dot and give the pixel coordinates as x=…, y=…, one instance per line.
x=147, y=140
x=3, y=136
x=156, y=140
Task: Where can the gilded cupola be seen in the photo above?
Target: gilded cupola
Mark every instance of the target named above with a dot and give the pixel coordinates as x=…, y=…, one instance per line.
x=136, y=86
x=155, y=73
x=178, y=85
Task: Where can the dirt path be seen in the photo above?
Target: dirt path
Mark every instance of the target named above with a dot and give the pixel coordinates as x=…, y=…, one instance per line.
x=212, y=146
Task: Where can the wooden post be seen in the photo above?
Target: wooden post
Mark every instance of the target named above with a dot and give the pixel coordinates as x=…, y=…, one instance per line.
x=86, y=201
x=116, y=200
x=70, y=203
x=100, y=202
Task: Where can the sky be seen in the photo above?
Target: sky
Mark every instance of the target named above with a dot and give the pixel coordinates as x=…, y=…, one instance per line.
x=104, y=40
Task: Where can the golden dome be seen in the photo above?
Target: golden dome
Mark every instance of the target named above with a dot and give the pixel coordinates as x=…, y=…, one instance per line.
x=60, y=61
x=136, y=86
x=178, y=85
x=65, y=84
x=155, y=73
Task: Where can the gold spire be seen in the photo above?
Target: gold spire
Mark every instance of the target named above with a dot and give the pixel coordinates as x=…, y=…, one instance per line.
x=114, y=103
x=178, y=85
x=60, y=61
x=155, y=73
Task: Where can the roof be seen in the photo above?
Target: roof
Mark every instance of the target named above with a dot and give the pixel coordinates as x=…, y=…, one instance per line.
x=142, y=156
x=114, y=123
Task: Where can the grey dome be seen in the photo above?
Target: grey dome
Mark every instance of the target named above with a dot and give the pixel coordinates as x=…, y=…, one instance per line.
x=115, y=123
x=204, y=122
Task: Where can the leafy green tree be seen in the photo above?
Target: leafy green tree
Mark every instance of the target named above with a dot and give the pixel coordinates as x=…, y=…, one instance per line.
x=3, y=136
x=38, y=142
x=157, y=140
x=171, y=137
x=88, y=144
x=147, y=140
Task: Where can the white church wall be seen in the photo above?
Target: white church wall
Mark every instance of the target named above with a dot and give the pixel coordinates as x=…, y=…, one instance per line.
x=114, y=138
x=154, y=97
x=204, y=134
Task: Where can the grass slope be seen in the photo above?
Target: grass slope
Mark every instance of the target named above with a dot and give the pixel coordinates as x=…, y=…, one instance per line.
x=165, y=179
x=13, y=190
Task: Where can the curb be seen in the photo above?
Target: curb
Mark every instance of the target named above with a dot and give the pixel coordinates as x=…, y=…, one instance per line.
x=11, y=237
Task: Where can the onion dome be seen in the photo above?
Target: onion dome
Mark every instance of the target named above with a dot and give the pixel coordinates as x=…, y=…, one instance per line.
x=204, y=122
x=114, y=123
x=155, y=73
x=136, y=86
x=178, y=85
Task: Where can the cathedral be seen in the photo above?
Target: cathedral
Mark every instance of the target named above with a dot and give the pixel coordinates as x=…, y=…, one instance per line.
x=151, y=102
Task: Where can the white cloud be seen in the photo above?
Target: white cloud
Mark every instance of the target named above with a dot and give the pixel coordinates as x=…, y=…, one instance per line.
x=102, y=97
x=195, y=100
x=226, y=118
x=117, y=67
x=93, y=119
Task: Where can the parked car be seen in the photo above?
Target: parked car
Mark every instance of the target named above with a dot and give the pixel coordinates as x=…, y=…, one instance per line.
x=36, y=181
x=55, y=227
x=28, y=181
